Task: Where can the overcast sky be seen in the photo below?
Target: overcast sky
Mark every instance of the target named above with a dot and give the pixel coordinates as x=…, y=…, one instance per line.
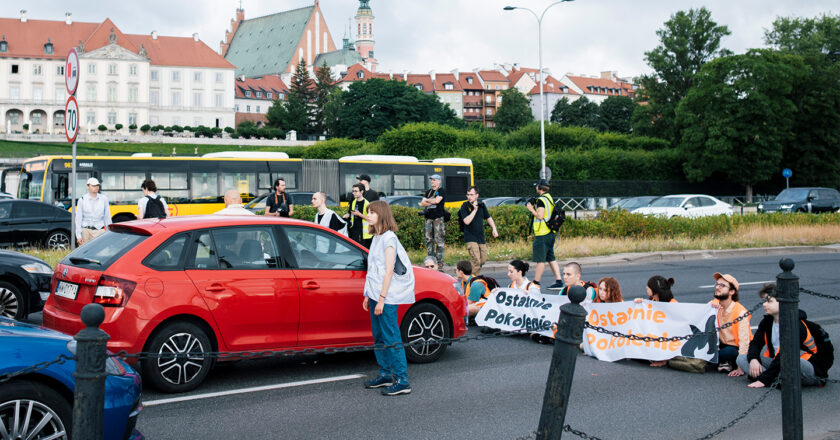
x=582, y=37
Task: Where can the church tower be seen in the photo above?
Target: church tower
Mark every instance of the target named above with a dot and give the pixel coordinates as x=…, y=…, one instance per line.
x=364, y=34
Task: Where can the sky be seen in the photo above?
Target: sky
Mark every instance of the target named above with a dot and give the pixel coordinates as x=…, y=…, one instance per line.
x=579, y=37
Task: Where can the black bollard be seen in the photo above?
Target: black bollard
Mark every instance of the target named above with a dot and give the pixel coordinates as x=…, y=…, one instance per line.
x=562, y=370
x=787, y=286
x=89, y=397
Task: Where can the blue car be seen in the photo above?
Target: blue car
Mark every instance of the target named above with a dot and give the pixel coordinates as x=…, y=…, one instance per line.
x=40, y=404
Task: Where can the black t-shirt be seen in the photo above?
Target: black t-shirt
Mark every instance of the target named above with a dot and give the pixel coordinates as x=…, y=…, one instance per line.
x=335, y=223
x=354, y=224
x=475, y=230
x=281, y=202
x=437, y=210
x=371, y=195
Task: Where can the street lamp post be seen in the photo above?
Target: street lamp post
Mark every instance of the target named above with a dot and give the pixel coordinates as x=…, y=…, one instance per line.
x=543, y=107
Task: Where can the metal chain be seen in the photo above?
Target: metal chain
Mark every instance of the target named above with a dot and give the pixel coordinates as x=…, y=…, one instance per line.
x=631, y=337
x=821, y=295
x=745, y=413
x=581, y=434
x=530, y=436
x=39, y=366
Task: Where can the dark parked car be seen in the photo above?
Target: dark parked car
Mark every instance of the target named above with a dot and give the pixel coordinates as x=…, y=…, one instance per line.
x=298, y=199
x=497, y=201
x=34, y=223
x=24, y=284
x=803, y=200
x=409, y=201
x=631, y=203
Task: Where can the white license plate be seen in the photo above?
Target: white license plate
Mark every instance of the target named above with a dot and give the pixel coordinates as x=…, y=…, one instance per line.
x=66, y=290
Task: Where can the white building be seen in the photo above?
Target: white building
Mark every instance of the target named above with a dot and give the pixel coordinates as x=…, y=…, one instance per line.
x=124, y=79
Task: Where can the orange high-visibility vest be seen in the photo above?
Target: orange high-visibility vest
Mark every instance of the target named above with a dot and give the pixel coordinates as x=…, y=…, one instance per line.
x=810, y=345
x=737, y=311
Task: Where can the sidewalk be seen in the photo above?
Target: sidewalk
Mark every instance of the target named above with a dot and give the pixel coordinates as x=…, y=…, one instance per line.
x=650, y=257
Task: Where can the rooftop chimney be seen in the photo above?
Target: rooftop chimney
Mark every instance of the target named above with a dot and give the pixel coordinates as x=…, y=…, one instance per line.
x=154, y=35
x=195, y=37
x=432, y=74
x=67, y=18
x=23, y=15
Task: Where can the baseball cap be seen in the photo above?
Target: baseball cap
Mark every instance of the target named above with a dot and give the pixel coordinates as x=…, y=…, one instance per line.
x=541, y=182
x=435, y=176
x=93, y=181
x=363, y=177
x=728, y=278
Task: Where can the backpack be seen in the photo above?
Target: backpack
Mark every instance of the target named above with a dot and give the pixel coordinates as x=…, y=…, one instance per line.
x=490, y=283
x=586, y=285
x=556, y=219
x=823, y=342
x=154, y=208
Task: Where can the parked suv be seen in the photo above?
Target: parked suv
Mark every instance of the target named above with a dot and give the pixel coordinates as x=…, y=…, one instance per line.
x=24, y=284
x=803, y=200
x=187, y=285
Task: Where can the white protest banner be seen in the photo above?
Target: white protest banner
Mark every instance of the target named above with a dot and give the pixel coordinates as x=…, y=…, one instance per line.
x=514, y=309
x=654, y=319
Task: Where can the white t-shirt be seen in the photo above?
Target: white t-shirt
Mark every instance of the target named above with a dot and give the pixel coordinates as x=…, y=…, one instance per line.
x=534, y=289
x=401, y=290
x=141, y=204
x=774, y=335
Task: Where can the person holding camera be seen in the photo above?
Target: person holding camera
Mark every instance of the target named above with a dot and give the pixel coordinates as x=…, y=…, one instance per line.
x=434, y=212
x=356, y=216
x=472, y=216
x=543, y=246
x=278, y=203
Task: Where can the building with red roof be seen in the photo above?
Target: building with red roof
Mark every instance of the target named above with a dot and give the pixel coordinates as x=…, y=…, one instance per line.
x=599, y=88
x=254, y=96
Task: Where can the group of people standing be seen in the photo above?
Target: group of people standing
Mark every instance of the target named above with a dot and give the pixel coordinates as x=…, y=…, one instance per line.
x=93, y=212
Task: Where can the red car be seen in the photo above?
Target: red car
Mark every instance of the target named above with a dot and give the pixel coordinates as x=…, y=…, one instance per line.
x=196, y=284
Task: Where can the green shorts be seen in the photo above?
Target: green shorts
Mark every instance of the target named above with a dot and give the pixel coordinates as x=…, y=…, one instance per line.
x=543, y=248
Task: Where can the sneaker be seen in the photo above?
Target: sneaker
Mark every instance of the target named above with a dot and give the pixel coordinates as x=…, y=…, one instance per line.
x=558, y=285
x=725, y=367
x=536, y=282
x=396, y=389
x=379, y=382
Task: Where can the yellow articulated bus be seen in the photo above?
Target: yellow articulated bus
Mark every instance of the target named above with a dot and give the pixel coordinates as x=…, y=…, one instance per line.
x=196, y=185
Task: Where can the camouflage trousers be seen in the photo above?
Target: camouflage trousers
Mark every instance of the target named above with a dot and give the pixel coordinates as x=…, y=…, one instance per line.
x=435, y=233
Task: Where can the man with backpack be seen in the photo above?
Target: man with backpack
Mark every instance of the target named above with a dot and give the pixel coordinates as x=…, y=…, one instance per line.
x=151, y=205
x=476, y=288
x=816, y=353
x=546, y=221
x=471, y=219
x=571, y=275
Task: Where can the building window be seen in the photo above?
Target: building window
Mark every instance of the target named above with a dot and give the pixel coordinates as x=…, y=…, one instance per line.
x=360, y=75
x=4, y=46
x=196, y=99
x=469, y=80
x=112, y=118
x=112, y=69
x=269, y=95
x=36, y=69
x=37, y=94
x=176, y=99
x=91, y=92
x=176, y=76
x=220, y=102
x=154, y=75
x=112, y=93
x=13, y=118
x=247, y=109
x=154, y=97
x=14, y=92
x=132, y=118
x=197, y=76
x=132, y=94
x=36, y=118
x=258, y=109
x=91, y=68
x=259, y=94
x=448, y=86
x=132, y=70
x=91, y=119
x=419, y=87
x=247, y=93
x=219, y=77
x=59, y=70
x=236, y=107
x=14, y=68
x=59, y=94
x=48, y=48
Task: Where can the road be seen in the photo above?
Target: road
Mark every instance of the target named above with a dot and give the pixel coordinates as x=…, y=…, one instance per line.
x=493, y=389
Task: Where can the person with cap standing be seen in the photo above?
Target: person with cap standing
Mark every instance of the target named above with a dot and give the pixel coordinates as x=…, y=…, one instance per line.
x=433, y=211
x=543, y=246
x=734, y=340
x=370, y=195
x=93, y=213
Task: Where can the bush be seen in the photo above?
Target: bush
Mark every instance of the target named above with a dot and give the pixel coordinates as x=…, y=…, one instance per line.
x=188, y=128
x=338, y=147
x=559, y=138
x=145, y=128
x=428, y=140
x=102, y=127
x=132, y=127
x=234, y=136
x=118, y=127
x=177, y=128
x=26, y=126
x=158, y=128
x=229, y=130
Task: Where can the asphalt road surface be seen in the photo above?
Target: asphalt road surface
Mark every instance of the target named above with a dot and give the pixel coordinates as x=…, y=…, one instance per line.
x=493, y=389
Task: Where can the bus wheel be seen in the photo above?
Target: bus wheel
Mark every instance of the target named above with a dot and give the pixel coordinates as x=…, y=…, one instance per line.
x=123, y=218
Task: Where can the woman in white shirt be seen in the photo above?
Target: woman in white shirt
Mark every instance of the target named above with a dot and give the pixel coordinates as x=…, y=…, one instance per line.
x=389, y=282
x=516, y=272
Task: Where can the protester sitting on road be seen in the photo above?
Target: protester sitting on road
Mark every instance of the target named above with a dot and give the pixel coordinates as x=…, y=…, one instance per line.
x=734, y=340
x=659, y=289
x=609, y=291
x=816, y=352
x=571, y=277
x=430, y=262
x=516, y=272
x=233, y=204
x=475, y=289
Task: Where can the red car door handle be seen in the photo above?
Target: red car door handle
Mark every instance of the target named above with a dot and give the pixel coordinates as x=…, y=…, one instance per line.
x=311, y=285
x=214, y=288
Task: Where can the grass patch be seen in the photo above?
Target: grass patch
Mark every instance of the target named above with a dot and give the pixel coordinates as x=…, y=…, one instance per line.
x=18, y=149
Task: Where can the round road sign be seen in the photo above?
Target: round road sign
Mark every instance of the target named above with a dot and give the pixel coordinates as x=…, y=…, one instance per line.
x=71, y=119
x=71, y=72
x=786, y=173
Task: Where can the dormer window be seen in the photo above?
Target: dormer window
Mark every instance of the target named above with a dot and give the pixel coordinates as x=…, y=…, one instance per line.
x=269, y=95
x=4, y=45
x=259, y=94
x=360, y=75
x=48, y=48
x=419, y=87
x=448, y=86
x=469, y=80
x=247, y=93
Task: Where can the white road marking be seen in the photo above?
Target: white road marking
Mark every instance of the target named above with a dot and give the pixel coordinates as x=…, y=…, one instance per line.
x=739, y=284
x=251, y=389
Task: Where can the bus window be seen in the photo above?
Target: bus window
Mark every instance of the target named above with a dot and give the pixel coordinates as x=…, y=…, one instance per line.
x=456, y=188
x=31, y=180
x=244, y=183
x=172, y=186
x=205, y=188
x=409, y=185
x=122, y=188
x=381, y=183
x=289, y=178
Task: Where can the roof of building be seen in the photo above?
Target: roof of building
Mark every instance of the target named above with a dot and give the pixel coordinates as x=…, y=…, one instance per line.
x=552, y=85
x=345, y=56
x=266, y=45
x=442, y=78
x=268, y=83
x=492, y=75
x=352, y=73
x=27, y=39
x=422, y=79
x=464, y=79
x=598, y=86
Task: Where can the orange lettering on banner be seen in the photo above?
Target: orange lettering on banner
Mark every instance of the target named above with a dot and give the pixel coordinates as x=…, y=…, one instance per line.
x=659, y=316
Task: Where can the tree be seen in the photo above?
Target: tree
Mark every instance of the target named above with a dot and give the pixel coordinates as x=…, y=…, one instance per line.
x=297, y=111
x=582, y=112
x=368, y=108
x=688, y=41
x=558, y=113
x=615, y=113
x=805, y=35
x=736, y=121
x=324, y=88
x=514, y=112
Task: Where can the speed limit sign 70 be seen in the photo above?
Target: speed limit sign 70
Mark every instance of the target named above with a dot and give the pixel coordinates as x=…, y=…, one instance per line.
x=71, y=119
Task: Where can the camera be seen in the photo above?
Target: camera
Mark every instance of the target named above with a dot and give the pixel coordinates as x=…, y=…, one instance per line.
x=423, y=212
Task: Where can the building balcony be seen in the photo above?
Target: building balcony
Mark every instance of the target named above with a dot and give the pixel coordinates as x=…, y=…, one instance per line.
x=473, y=103
x=471, y=118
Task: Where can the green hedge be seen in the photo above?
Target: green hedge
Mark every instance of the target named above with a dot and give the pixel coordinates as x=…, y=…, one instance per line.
x=559, y=138
x=338, y=147
x=513, y=222
x=428, y=140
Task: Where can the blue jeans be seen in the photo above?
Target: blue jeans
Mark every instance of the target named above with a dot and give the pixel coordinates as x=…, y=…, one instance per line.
x=727, y=353
x=386, y=332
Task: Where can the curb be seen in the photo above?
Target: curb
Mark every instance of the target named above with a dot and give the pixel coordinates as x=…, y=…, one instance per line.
x=649, y=257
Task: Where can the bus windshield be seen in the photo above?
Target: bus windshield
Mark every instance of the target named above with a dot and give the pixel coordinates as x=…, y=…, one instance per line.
x=31, y=180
